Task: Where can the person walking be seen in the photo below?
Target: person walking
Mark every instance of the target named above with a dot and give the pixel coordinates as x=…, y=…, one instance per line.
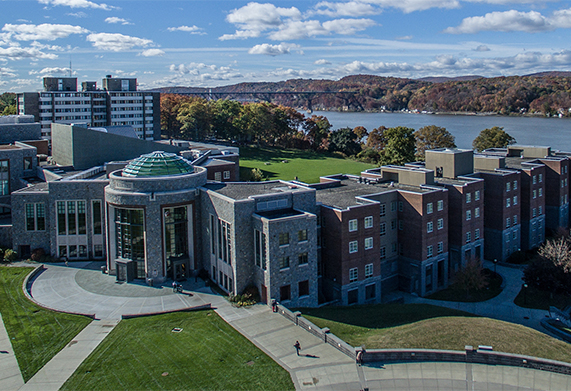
x=297, y=347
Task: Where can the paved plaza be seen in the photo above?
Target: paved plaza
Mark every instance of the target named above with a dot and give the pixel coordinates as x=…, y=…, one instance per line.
x=81, y=287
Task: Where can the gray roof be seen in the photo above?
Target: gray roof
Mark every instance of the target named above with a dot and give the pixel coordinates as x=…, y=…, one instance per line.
x=244, y=190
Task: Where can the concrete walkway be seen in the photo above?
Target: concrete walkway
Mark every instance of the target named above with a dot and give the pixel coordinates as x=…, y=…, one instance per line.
x=319, y=366
x=501, y=307
x=10, y=376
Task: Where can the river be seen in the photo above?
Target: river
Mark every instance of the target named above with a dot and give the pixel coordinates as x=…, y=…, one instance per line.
x=553, y=132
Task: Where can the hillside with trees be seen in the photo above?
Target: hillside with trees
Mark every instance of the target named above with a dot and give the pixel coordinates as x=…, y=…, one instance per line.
x=544, y=94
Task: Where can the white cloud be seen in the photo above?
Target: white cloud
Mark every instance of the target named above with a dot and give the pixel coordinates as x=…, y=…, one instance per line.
x=7, y=72
x=481, y=48
x=18, y=53
x=117, y=42
x=298, y=30
x=188, y=29
x=254, y=18
x=415, y=5
x=151, y=53
x=115, y=20
x=512, y=20
x=77, y=4
x=199, y=72
x=272, y=50
x=79, y=14
x=51, y=71
x=348, y=26
x=404, y=38
x=46, y=31
x=322, y=62
x=562, y=18
x=350, y=8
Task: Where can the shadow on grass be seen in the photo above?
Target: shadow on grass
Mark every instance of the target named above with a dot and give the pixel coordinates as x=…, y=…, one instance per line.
x=452, y=293
x=381, y=315
x=276, y=155
x=541, y=300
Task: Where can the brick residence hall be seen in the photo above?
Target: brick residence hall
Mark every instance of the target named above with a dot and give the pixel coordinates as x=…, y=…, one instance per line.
x=154, y=215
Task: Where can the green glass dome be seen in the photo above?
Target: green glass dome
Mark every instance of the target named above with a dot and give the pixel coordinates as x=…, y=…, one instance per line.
x=157, y=163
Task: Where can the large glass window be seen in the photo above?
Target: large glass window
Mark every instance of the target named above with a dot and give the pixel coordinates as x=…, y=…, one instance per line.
x=4, y=177
x=260, y=247
x=176, y=234
x=129, y=231
x=71, y=218
x=35, y=217
x=96, y=210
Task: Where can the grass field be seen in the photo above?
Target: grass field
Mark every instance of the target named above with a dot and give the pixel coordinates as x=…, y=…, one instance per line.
x=36, y=334
x=143, y=353
x=541, y=300
x=308, y=166
x=393, y=326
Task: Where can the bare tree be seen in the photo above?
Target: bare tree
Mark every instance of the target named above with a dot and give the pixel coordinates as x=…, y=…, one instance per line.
x=470, y=277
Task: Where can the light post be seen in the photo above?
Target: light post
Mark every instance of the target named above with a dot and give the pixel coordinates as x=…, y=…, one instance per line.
x=495, y=266
x=525, y=294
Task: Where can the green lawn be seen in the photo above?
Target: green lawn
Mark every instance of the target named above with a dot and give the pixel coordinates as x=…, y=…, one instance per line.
x=541, y=300
x=451, y=293
x=308, y=166
x=394, y=326
x=36, y=334
x=143, y=353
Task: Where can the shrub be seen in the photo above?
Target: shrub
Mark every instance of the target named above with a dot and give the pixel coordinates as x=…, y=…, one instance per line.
x=38, y=254
x=10, y=255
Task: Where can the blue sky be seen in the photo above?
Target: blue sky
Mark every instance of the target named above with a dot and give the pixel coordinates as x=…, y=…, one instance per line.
x=220, y=42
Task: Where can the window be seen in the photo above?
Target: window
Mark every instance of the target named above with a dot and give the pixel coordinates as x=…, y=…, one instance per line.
x=440, y=223
x=468, y=198
x=509, y=202
x=369, y=270
x=477, y=234
x=540, y=178
x=283, y=239
x=514, y=235
x=429, y=227
x=368, y=243
x=393, y=206
x=429, y=208
x=394, y=247
x=353, y=247
x=477, y=212
x=260, y=248
x=515, y=185
x=400, y=206
x=35, y=217
x=440, y=247
x=400, y=225
x=508, y=222
x=96, y=216
x=383, y=210
x=369, y=222
x=97, y=250
x=508, y=186
x=540, y=191
x=71, y=218
x=515, y=219
x=284, y=262
x=393, y=224
x=534, y=179
x=285, y=293
x=302, y=235
x=468, y=215
x=226, y=174
x=370, y=291
x=4, y=177
x=540, y=210
x=302, y=259
x=383, y=229
x=218, y=176
x=383, y=252
x=129, y=233
x=353, y=296
x=477, y=195
x=303, y=288
x=352, y=225
x=562, y=183
x=534, y=212
x=468, y=237
x=428, y=251
x=534, y=194
x=353, y=274
x=440, y=205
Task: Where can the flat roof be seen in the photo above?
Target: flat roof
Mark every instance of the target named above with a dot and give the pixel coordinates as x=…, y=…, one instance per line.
x=456, y=181
x=345, y=194
x=244, y=190
x=280, y=213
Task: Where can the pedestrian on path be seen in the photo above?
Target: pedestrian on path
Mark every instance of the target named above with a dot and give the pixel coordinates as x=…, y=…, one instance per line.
x=297, y=347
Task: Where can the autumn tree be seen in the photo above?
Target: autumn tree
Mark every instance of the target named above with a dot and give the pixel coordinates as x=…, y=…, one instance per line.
x=8, y=103
x=225, y=114
x=470, y=277
x=551, y=270
x=432, y=137
x=170, y=107
x=196, y=119
x=361, y=132
x=399, y=146
x=494, y=137
x=317, y=129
